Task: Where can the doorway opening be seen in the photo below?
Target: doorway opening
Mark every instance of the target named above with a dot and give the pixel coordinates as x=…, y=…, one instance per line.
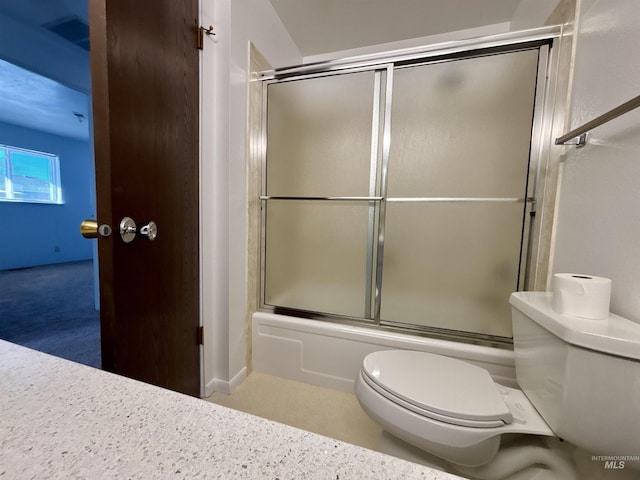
x=47, y=279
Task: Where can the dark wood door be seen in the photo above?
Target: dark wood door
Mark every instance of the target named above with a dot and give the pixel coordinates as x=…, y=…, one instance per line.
x=144, y=64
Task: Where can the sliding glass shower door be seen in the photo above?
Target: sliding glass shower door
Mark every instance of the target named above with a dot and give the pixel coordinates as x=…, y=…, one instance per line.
x=400, y=195
x=457, y=184
x=319, y=133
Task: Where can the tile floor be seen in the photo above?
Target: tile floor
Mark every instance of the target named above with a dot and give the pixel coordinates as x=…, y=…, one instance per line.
x=320, y=410
x=338, y=415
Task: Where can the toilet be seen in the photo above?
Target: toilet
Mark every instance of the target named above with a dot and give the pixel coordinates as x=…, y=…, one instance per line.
x=570, y=371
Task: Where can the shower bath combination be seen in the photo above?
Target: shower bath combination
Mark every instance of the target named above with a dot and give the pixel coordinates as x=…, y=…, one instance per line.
x=400, y=192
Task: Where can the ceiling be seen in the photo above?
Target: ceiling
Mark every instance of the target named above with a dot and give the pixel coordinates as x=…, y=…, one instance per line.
x=321, y=26
x=38, y=12
x=316, y=26
x=30, y=100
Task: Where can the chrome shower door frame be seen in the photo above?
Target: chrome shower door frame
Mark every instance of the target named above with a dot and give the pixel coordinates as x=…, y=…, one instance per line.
x=384, y=65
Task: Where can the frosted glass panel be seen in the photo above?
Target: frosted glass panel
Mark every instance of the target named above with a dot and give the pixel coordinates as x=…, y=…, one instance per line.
x=459, y=129
x=319, y=136
x=452, y=265
x=316, y=255
x=463, y=128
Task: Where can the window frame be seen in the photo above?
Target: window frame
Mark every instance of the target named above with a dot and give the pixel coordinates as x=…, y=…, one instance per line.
x=55, y=184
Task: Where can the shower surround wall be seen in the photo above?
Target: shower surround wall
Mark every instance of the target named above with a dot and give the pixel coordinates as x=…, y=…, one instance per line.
x=598, y=223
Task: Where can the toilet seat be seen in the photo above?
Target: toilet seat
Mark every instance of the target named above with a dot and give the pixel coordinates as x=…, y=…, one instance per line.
x=438, y=387
x=419, y=418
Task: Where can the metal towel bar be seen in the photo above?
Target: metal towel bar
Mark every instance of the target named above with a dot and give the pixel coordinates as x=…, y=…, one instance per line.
x=579, y=135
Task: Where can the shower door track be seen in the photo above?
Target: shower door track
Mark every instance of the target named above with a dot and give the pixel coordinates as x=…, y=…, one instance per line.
x=510, y=40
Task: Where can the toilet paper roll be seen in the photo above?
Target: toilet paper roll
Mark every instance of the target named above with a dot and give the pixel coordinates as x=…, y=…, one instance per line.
x=582, y=296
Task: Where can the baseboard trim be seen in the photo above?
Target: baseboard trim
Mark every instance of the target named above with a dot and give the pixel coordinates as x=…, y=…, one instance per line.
x=225, y=386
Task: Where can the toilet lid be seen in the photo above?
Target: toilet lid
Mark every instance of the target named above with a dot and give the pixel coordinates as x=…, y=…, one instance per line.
x=448, y=387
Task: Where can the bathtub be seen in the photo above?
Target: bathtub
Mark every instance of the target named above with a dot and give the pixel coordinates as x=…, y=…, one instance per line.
x=330, y=354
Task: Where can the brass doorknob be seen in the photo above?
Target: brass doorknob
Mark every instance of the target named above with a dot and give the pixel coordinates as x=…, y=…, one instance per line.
x=90, y=229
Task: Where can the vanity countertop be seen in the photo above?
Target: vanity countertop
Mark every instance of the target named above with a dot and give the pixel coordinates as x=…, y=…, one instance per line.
x=60, y=419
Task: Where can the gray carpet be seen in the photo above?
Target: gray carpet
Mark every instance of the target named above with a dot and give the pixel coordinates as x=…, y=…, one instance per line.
x=51, y=308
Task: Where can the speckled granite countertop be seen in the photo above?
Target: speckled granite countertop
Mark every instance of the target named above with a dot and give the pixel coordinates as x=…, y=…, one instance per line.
x=59, y=419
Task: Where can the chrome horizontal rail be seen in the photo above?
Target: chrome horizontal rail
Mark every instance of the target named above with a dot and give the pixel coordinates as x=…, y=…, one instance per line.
x=459, y=200
x=408, y=199
x=596, y=122
x=349, y=199
x=412, y=53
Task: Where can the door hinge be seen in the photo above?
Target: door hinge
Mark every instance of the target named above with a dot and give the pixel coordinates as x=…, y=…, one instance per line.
x=201, y=33
x=200, y=335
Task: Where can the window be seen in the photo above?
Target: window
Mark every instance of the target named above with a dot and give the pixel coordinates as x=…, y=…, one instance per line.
x=29, y=176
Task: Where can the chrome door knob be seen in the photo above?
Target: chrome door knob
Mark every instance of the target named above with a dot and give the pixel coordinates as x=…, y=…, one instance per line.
x=127, y=229
x=148, y=231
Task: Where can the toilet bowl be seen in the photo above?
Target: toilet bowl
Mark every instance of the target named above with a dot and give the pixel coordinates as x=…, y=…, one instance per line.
x=419, y=396
x=456, y=411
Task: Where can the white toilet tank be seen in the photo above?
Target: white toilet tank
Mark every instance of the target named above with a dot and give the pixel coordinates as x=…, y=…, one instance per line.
x=583, y=376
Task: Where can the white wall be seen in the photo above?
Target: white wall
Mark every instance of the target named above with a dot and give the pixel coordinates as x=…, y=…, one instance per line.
x=224, y=200
x=532, y=13
x=598, y=222
x=485, y=30
x=529, y=14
